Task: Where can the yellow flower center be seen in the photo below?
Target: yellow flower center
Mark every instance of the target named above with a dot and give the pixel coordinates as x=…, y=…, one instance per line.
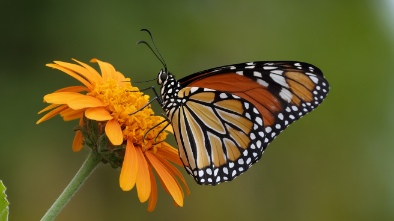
x=122, y=100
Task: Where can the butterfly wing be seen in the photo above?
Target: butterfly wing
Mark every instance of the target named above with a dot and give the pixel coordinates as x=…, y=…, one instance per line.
x=228, y=115
x=219, y=134
x=282, y=91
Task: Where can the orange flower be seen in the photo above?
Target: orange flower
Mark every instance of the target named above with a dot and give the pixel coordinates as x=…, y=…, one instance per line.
x=116, y=108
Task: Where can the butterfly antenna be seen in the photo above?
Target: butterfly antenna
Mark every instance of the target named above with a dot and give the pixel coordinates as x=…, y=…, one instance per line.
x=160, y=57
x=138, y=82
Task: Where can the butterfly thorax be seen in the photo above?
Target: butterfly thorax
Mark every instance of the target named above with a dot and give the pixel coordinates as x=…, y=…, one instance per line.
x=169, y=94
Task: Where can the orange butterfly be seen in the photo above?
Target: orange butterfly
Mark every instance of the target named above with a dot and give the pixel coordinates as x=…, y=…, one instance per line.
x=224, y=118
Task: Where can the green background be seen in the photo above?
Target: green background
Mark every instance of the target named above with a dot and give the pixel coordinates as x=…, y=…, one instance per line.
x=335, y=164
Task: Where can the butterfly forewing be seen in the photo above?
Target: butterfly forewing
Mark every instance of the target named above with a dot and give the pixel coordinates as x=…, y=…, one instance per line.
x=224, y=117
x=281, y=91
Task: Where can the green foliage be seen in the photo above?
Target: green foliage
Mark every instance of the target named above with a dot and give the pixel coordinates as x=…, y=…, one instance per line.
x=3, y=203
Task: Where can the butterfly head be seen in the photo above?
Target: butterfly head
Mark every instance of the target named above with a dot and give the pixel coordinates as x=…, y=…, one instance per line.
x=162, y=77
x=167, y=80
x=169, y=86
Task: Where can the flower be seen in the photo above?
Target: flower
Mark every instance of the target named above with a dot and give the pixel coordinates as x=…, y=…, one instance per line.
x=110, y=108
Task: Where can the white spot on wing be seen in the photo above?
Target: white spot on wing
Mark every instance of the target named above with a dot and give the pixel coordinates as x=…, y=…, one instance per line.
x=257, y=74
x=285, y=95
x=193, y=89
x=294, y=108
x=223, y=96
x=262, y=82
x=314, y=79
x=259, y=121
x=252, y=136
x=279, y=72
x=280, y=80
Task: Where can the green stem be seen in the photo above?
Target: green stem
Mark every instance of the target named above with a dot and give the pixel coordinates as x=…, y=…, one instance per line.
x=83, y=173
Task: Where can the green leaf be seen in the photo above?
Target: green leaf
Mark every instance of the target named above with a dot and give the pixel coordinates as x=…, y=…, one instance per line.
x=3, y=203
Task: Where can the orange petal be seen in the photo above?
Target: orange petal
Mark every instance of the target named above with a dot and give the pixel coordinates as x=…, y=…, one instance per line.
x=143, y=179
x=167, y=178
x=94, y=73
x=175, y=172
x=77, y=142
x=128, y=174
x=60, y=98
x=72, y=74
x=76, y=89
x=84, y=101
x=52, y=113
x=121, y=79
x=107, y=70
x=114, y=132
x=73, y=100
x=49, y=108
x=153, y=193
x=73, y=116
x=169, y=153
x=83, y=72
x=70, y=114
x=98, y=114
x=164, y=186
x=167, y=191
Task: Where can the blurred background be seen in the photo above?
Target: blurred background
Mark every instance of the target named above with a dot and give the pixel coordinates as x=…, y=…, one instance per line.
x=335, y=164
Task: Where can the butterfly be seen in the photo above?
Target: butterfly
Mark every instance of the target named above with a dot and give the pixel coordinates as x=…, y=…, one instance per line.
x=224, y=118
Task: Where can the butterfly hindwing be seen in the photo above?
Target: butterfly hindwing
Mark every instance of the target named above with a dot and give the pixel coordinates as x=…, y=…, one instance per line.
x=219, y=134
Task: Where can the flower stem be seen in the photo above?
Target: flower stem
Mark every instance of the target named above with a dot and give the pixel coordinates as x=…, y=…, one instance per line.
x=83, y=173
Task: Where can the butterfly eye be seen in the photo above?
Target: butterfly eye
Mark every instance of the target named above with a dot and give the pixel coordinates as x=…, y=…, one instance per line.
x=161, y=77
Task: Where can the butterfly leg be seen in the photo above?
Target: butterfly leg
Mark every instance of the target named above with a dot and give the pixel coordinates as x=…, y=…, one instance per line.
x=150, y=129
x=157, y=98
x=151, y=88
